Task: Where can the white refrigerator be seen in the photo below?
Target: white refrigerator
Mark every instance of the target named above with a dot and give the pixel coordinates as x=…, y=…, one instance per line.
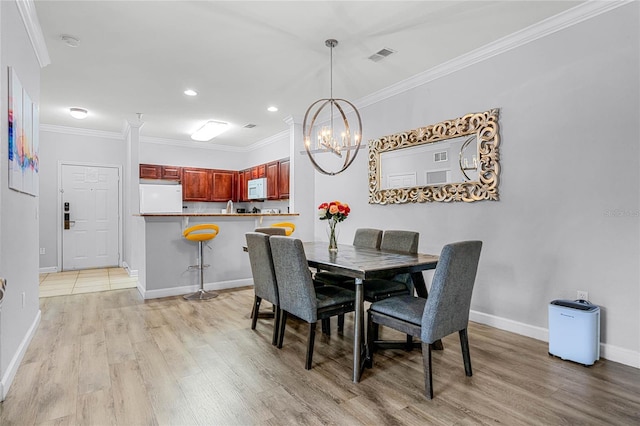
x=160, y=198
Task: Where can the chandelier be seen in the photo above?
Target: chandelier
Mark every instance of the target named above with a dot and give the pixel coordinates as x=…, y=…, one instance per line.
x=327, y=130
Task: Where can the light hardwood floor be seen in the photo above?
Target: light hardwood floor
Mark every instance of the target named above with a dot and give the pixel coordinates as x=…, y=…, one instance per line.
x=111, y=358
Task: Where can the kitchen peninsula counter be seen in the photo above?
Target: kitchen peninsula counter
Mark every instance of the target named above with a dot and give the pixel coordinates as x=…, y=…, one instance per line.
x=217, y=214
x=165, y=256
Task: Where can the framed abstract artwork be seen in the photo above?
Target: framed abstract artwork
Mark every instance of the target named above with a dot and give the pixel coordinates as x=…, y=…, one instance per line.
x=23, y=139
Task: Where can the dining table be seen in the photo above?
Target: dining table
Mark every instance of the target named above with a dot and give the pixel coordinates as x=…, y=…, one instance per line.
x=364, y=264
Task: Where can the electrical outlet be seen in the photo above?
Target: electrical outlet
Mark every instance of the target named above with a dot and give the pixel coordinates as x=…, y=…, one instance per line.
x=583, y=295
x=43, y=250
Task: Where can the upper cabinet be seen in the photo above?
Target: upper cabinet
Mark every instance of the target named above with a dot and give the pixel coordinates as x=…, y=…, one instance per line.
x=172, y=172
x=150, y=171
x=283, y=179
x=156, y=171
x=223, y=185
x=272, y=180
x=196, y=184
x=200, y=184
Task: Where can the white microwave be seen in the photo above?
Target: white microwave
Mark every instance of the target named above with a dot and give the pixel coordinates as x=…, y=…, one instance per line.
x=257, y=189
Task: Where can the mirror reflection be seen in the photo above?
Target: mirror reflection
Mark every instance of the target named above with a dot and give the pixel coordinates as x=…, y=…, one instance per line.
x=448, y=161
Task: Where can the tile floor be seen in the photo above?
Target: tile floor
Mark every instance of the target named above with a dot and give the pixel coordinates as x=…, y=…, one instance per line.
x=85, y=281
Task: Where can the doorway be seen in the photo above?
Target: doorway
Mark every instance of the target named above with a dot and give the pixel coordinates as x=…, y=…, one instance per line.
x=90, y=225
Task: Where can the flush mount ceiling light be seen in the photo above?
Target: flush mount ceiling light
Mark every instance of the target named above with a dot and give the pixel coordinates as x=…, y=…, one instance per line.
x=70, y=40
x=190, y=92
x=79, y=113
x=272, y=109
x=333, y=134
x=210, y=130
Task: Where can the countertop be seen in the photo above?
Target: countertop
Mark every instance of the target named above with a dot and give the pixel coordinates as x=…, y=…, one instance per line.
x=217, y=214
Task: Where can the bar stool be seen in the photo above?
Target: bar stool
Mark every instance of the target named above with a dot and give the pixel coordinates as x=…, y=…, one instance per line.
x=201, y=233
x=288, y=226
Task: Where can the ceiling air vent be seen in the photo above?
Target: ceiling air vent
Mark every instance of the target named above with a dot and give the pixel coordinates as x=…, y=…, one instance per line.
x=381, y=54
x=249, y=126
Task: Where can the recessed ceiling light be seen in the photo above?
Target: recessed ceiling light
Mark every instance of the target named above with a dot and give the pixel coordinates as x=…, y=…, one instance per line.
x=70, y=40
x=209, y=130
x=79, y=113
x=190, y=92
x=272, y=109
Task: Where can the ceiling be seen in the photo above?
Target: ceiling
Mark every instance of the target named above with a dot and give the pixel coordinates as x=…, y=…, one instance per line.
x=241, y=57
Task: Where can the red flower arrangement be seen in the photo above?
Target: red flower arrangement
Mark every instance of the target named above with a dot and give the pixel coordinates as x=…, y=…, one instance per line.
x=335, y=210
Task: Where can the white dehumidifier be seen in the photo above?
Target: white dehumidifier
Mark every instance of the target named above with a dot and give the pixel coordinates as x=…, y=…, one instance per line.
x=574, y=331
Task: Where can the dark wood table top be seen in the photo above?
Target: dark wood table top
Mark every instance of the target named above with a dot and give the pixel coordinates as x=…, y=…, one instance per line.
x=366, y=263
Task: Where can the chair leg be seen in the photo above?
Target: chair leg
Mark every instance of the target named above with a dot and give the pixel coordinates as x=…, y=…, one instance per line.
x=409, y=345
x=310, y=342
x=426, y=360
x=326, y=326
x=283, y=323
x=341, y=323
x=256, y=309
x=376, y=332
x=276, y=325
x=466, y=356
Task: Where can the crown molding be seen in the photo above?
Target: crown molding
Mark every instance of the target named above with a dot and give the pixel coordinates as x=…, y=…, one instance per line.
x=27, y=9
x=563, y=20
x=80, y=132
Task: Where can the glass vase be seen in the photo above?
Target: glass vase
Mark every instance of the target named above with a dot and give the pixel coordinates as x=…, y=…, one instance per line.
x=332, y=232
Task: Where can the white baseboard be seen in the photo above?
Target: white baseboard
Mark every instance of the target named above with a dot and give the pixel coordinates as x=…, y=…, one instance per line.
x=132, y=272
x=48, y=270
x=12, y=368
x=177, y=291
x=610, y=352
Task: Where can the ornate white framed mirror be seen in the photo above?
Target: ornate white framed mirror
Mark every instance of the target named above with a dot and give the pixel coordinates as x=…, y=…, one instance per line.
x=454, y=160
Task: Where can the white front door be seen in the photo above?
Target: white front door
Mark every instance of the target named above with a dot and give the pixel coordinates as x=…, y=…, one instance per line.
x=90, y=234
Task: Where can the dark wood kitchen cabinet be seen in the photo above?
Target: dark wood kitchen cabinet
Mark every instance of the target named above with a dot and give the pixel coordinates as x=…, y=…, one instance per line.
x=283, y=179
x=196, y=184
x=272, y=180
x=223, y=185
x=156, y=171
x=171, y=173
x=150, y=171
x=244, y=176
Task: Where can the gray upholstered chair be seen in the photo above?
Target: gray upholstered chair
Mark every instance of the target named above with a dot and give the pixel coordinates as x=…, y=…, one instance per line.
x=272, y=231
x=264, y=278
x=401, y=284
x=299, y=296
x=445, y=311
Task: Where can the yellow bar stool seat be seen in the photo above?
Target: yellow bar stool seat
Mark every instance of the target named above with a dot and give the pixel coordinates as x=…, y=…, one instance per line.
x=289, y=227
x=200, y=234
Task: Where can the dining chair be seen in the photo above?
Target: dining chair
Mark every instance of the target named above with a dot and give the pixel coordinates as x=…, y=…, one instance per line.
x=394, y=285
x=298, y=294
x=289, y=227
x=264, y=278
x=271, y=231
x=444, y=311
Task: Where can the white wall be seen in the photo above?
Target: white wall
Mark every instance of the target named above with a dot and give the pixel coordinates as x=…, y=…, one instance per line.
x=568, y=215
x=18, y=211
